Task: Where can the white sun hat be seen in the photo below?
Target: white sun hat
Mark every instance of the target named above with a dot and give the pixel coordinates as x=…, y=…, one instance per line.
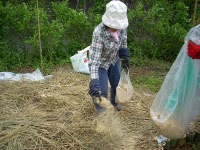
x=116, y=15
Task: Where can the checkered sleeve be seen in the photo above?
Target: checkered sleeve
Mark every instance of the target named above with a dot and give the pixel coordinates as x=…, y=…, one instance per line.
x=95, y=55
x=124, y=40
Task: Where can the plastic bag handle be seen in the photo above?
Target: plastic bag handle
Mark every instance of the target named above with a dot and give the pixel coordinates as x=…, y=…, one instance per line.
x=126, y=69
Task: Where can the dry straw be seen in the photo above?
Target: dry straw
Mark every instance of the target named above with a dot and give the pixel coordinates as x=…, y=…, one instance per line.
x=58, y=114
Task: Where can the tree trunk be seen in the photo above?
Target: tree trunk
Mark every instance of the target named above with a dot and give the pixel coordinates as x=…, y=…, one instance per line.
x=77, y=3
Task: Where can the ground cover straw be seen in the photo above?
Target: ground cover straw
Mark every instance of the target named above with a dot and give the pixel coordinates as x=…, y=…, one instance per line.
x=58, y=114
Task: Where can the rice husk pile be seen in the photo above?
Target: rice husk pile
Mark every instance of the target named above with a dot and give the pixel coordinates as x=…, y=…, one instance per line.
x=58, y=114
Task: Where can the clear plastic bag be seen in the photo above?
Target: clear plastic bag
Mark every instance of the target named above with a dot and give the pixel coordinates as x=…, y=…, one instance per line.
x=80, y=61
x=124, y=91
x=177, y=103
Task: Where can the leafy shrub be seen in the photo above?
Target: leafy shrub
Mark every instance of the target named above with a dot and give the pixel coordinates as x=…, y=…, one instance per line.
x=158, y=31
x=60, y=37
x=16, y=28
x=76, y=25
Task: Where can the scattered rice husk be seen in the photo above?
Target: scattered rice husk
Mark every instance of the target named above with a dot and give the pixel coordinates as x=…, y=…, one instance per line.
x=58, y=113
x=108, y=122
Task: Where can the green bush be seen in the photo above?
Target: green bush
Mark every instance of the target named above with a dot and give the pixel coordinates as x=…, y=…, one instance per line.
x=156, y=30
x=61, y=36
x=16, y=28
x=51, y=37
x=159, y=31
x=78, y=31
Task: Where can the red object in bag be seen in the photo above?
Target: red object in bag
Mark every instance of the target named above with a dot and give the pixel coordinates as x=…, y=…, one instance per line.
x=193, y=50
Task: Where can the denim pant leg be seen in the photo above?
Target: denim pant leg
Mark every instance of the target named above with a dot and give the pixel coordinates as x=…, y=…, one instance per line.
x=114, y=73
x=103, y=82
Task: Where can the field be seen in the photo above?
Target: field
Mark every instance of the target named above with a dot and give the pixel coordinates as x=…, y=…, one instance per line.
x=58, y=113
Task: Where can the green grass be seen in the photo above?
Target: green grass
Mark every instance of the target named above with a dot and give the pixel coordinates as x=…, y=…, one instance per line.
x=148, y=75
x=153, y=63
x=150, y=83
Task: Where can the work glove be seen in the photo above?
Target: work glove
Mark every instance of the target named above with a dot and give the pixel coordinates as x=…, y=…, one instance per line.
x=125, y=63
x=193, y=50
x=94, y=89
x=125, y=57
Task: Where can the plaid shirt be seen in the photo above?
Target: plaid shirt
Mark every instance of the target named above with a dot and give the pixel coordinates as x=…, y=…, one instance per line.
x=104, y=49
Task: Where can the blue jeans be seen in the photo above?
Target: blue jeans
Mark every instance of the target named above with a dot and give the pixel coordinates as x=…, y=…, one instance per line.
x=113, y=75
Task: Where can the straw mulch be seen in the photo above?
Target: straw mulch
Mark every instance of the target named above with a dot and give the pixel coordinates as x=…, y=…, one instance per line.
x=58, y=114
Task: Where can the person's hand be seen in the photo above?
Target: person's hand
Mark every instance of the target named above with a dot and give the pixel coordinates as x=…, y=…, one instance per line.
x=94, y=89
x=125, y=63
x=125, y=58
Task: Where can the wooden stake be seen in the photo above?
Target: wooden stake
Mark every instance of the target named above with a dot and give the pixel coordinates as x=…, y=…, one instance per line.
x=39, y=36
x=195, y=11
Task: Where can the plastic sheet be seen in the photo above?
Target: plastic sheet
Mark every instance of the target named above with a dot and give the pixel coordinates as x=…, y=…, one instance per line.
x=10, y=76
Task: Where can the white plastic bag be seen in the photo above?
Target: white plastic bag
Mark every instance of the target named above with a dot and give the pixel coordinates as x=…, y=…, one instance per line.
x=177, y=103
x=80, y=61
x=124, y=89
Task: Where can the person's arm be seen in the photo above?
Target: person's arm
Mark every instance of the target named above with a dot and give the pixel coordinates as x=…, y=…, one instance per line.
x=123, y=52
x=124, y=40
x=95, y=55
x=94, y=63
